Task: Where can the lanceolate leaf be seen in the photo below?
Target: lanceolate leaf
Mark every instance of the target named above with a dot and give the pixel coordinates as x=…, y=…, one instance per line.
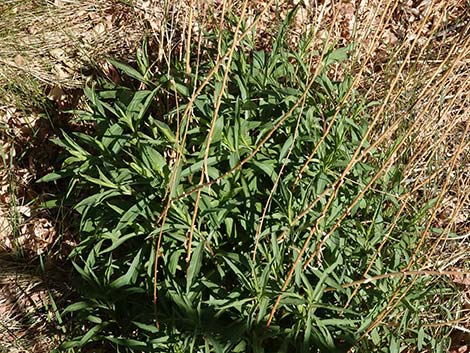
x=295, y=246
x=130, y=276
x=195, y=265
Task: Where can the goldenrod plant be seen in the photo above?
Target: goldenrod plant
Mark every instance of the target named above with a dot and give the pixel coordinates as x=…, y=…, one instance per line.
x=259, y=202
x=259, y=177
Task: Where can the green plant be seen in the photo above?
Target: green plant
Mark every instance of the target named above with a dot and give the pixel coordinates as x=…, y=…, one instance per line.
x=238, y=210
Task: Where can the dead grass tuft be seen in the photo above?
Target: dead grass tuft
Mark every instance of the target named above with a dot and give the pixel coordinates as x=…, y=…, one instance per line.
x=28, y=320
x=57, y=43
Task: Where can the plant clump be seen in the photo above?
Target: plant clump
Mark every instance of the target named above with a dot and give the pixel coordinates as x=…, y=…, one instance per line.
x=243, y=207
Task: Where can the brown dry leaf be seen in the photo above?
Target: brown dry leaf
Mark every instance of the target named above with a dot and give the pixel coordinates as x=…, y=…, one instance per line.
x=152, y=13
x=389, y=38
x=463, y=349
x=19, y=60
x=23, y=210
x=5, y=229
x=4, y=188
x=463, y=279
x=74, y=34
x=37, y=235
x=6, y=114
x=24, y=295
x=110, y=71
x=57, y=53
x=56, y=94
x=99, y=29
x=347, y=18
x=61, y=73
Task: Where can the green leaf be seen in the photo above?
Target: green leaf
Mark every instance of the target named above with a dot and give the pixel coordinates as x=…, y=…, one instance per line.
x=267, y=167
x=153, y=159
x=337, y=55
x=174, y=260
x=146, y=327
x=113, y=139
x=394, y=345
x=165, y=129
x=375, y=337
x=158, y=341
x=130, y=276
x=69, y=345
x=181, y=89
x=128, y=70
x=53, y=176
x=91, y=333
x=143, y=58
x=194, y=265
x=136, y=107
x=146, y=105
x=218, y=129
x=196, y=167
x=263, y=307
x=127, y=342
x=72, y=147
x=91, y=141
x=117, y=240
x=421, y=338
x=285, y=148
x=96, y=199
x=133, y=212
x=77, y=307
x=94, y=319
x=106, y=182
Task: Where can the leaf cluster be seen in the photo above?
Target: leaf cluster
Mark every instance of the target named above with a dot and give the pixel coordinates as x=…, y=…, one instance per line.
x=257, y=239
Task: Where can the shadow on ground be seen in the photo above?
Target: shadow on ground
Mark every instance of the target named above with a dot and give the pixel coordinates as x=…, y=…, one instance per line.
x=30, y=302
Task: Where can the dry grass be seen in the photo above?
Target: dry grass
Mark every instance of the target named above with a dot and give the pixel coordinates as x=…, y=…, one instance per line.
x=56, y=43
x=413, y=57
x=422, y=84
x=29, y=320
